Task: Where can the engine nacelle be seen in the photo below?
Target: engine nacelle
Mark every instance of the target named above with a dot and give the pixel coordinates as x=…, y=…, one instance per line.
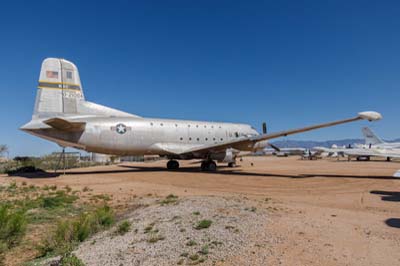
x=260, y=145
x=228, y=156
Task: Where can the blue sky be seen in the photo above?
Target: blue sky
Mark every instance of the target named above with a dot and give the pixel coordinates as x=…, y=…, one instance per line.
x=289, y=63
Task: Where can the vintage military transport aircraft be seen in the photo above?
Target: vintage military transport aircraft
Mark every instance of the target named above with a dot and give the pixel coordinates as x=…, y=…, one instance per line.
x=62, y=115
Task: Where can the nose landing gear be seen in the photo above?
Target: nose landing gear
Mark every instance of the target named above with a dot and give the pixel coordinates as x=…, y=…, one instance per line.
x=172, y=165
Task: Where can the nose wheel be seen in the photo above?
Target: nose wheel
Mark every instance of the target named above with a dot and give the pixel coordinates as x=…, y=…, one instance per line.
x=208, y=166
x=172, y=165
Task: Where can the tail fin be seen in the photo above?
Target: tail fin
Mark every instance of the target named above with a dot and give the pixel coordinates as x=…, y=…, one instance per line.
x=370, y=137
x=59, y=90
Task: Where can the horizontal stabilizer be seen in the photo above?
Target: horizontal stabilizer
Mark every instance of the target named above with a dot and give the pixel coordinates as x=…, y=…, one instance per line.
x=65, y=125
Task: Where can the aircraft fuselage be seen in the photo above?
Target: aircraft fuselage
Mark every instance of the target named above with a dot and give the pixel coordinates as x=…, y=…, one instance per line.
x=138, y=136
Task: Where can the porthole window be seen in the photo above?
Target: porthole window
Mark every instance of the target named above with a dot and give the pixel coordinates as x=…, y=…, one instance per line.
x=222, y=139
x=181, y=138
x=213, y=139
x=161, y=124
x=188, y=125
x=198, y=139
x=206, y=139
x=176, y=125
x=190, y=138
x=212, y=126
x=220, y=127
x=197, y=125
x=151, y=123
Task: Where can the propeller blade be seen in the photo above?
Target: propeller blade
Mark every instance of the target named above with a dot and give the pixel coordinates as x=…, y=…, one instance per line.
x=264, y=128
x=274, y=147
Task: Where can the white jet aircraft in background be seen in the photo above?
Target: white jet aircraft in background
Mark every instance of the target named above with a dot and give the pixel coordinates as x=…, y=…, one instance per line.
x=372, y=140
x=374, y=147
x=62, y=115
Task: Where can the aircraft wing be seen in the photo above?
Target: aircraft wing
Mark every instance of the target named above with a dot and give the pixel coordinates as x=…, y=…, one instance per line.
x=373, y=153
x=248, y=143
x=65, y=125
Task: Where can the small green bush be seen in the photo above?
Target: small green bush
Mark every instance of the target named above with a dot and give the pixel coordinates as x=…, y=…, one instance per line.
x=105, y=216
x=171, y=198
x=72, y=231
x=12, y=226
x=124, y=228
x=71, y=260
x=58, y=200
x=203, y=224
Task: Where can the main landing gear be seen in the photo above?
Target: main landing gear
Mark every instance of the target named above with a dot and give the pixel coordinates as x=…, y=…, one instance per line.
x=210, y=166
x=172, y=165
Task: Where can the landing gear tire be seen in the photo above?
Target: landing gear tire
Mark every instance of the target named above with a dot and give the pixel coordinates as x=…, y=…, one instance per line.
x=172, y=165
x=209, y=166
x=204, y=166
x=212, y=166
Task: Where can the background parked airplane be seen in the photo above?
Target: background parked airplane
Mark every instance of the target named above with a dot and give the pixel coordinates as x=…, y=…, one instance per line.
x=62, y=115
x=372, y=140
x=374, y=147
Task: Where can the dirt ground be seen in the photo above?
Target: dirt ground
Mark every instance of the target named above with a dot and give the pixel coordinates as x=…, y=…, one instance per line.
x=323, y=212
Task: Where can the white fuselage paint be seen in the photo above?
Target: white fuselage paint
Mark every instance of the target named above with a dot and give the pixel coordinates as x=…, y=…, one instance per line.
x=145, y=135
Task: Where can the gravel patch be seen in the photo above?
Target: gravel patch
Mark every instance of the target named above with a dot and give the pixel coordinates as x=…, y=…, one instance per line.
x=168, y=232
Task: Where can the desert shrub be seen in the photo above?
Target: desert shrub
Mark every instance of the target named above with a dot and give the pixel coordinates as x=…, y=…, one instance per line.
x=71, y=260
x=171, y=198
x=105, y=216
x=124, y=228
x=12, y=226
x=203, y=224
x=58, y=200
x=72, y=231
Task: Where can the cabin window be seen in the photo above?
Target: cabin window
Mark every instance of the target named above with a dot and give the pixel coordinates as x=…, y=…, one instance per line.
x=188, y=125
x=220, y=127
x=205, y=126
x=222, y=139
x=198, y=139
x=197, y=125
x=151, y=124
x=176, y=125
x=213, y=139
x=206, y=139
x=190, y=138
x=181, y=138
x=161, y=124
x=236, y=134
x=212, y=126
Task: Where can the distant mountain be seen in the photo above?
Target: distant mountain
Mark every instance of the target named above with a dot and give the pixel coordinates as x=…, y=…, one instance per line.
x=308, y=144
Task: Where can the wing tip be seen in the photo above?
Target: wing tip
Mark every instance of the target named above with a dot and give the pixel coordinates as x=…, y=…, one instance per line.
x=370, y=115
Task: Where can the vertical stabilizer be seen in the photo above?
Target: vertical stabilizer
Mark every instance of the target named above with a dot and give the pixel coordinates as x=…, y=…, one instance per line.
x=370, y=137
x=59, y=89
